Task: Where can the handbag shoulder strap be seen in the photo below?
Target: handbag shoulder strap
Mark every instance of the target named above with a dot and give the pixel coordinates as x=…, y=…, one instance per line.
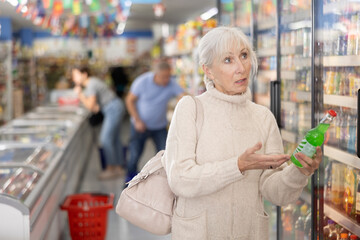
x=199, y=116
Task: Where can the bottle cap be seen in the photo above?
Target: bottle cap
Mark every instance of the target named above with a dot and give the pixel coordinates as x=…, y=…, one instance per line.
x=332, y=113
x=353, y=237
x=344, y=235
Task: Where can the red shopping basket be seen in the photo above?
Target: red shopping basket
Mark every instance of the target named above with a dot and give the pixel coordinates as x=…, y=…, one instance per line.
x=87, y=214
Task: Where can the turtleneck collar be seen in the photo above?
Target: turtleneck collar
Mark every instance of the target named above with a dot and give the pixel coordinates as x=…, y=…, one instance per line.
x=236, y=99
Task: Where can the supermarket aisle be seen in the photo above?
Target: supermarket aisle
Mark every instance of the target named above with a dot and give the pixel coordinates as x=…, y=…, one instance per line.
x=118, y=228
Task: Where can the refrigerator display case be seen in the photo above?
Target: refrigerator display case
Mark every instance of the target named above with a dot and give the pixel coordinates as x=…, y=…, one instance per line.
x=25, y=163
x=243, y=16
x=265, y=34
x=55, y=136
x=337, y=41
x=295, y=104
x=37, y=173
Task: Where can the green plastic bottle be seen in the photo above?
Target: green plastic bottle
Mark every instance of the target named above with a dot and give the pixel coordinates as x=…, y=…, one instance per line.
x=313, y=138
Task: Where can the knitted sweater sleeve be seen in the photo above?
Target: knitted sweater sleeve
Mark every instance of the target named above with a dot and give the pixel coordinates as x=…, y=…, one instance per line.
x=186, y=177
x=285, y=184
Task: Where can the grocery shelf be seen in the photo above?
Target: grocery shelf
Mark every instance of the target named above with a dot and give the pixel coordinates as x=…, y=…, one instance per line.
x=179, y=53
x=340, y=7
x=341, y=61
x=288, y=50
x=267, y=75
x=341, y=219
x=298, y=16
x=288, y=136
x=306, y=196
x=288, y=75
x=269, y=52
x=267, y=24
x=288, y=106
x=341, y=156
x=303, y=96
x=342, y=101
x=302, y=62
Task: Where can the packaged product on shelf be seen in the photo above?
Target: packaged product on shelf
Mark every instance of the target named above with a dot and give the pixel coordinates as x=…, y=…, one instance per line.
x=328, y=181
x=337, y=183
x=349, y=191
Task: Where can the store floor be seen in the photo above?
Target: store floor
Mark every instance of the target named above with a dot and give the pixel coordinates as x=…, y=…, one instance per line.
x=117, y=228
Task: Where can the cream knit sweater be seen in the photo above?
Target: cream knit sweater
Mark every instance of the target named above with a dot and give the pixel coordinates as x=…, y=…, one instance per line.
x=215, y=201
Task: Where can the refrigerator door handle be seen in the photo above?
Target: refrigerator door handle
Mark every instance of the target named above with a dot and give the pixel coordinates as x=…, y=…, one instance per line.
x=358, y=129
x=275, y=100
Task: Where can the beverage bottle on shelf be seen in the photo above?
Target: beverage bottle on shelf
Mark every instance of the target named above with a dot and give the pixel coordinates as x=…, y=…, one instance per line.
x=313, y=138
x=349, y=191
x=344, y=236
x=333, y=236
x=328, y=182
x=330, y=81
x=337, y=184
x=344, y=132
x=351, y=77
x=338, y=77
x=299, y=229
x=352, y=123
x=357, y=198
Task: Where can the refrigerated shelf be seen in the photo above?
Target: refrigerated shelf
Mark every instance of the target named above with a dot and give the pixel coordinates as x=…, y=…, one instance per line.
x=266, y=52
x=303, y=96
x=341, y=61
x=339, y=7
x=342, y=156
x=342, y=219
x=266, y=24
x=288, y=106
x=342, y=101
x=288, y=75
x=296, y=17
x=267, y=75
x=288, y=50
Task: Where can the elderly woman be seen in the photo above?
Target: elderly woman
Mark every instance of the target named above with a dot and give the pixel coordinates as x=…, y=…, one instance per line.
x=222, y=177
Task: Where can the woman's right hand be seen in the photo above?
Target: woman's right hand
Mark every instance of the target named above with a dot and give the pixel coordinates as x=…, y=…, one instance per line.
x=140, y=126
x=251, y=160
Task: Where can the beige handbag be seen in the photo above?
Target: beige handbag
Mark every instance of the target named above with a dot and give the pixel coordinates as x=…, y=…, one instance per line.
x=148, y=201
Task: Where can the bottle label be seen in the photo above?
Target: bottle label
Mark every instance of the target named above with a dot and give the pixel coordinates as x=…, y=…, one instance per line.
x=306, y=148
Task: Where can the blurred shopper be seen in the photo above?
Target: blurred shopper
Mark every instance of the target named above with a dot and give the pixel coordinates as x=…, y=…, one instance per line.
x=120, y=80
x=221, y=178
x=98, y=97
x=147, y=103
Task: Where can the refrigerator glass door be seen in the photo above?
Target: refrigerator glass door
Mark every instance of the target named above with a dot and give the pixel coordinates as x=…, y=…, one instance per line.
x=265, y=50
x=295, y=74
x=338, y=39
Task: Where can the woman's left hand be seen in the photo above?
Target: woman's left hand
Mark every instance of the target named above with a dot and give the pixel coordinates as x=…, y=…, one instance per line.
x=309, y=165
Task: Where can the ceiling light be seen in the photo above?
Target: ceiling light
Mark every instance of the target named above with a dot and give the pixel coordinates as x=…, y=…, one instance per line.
x=209, y=14
x=13, y=2
x=128, y=3
x=24, y=9
x=120, y=28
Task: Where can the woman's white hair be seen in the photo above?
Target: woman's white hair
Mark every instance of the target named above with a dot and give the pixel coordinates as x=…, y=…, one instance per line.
x=220, y=40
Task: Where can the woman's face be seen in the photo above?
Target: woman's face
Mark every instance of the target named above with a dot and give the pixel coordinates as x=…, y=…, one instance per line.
x=78, y=77
x=231, y=72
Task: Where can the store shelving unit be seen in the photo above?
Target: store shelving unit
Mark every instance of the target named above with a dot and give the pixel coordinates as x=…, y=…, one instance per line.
x=341, y=61
x=6, y=84
x=341, y=219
